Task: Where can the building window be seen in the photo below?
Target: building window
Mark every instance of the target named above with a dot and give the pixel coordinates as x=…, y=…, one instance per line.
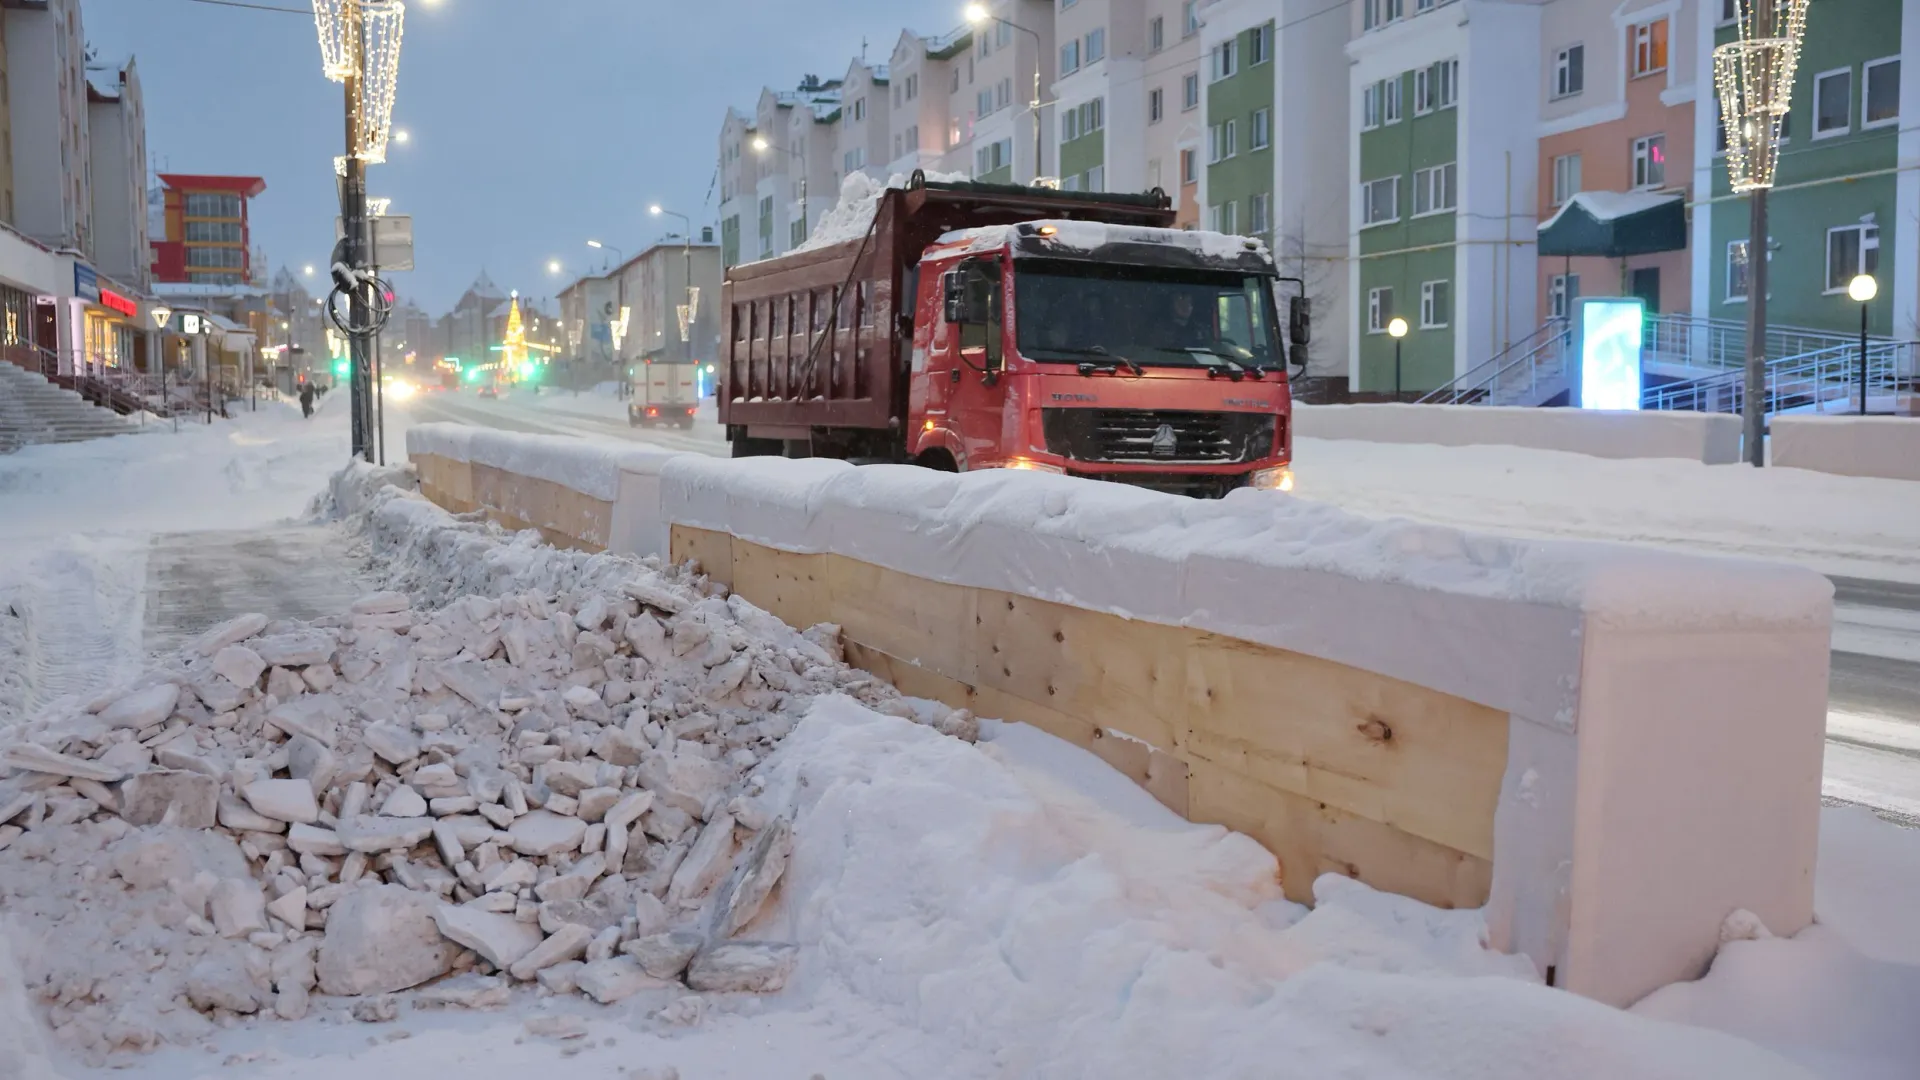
x=1261, y=136
x=913, y=138
x=1380, y=201
x=993, y=157
x=1003, y=34
x=213, y=232
x=1446, y=84
x=1433, y=190
x=953, y=132
x=1003, y=93
x=1880, y=93
x=1370, y=106
x=1156, y=105
x=1832, y=103
x=1566, y=178
x=229, y=258
x=913, y=86
x=1436, y=300
x=207, y=205
x=1737, y=270
x=1189, y=18
x=1096, y=44
x=1260, y=214
x=1650, y=162
x=853, y=159
x=1379, y=310
x=1569, y=71
x=1852, y=250
x=1223, y=218
x=1221, y=141
x=1097, y=178
x=1226, y=59
x=1562, y=291
x=1156, y=34
x=1065, y=4
x=1390, y=108
x=1190, y=92
x=1070, y=57
x=1649, y=56
x=1378, y=13
x=896, y=145
x=1083, y=120
x=1189, y=167
x=1729, y=10
x=983, y=103
x=859, y=109
x=1259, y=45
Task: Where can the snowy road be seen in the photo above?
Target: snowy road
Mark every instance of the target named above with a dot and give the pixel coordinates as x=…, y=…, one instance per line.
x=586, y=416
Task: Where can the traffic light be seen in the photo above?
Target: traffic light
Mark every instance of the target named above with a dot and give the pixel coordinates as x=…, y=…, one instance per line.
x=342, y=368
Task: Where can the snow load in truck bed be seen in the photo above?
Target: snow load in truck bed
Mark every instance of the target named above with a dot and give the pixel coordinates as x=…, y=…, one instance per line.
x=1094, y=235
x=860, y=196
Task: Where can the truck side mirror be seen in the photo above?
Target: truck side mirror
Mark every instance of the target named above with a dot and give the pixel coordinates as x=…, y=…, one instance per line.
x=968, y=294
x=1300, y=321
x=952, y=296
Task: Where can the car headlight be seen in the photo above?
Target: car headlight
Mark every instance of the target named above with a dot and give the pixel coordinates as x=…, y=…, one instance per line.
x=1279, y=478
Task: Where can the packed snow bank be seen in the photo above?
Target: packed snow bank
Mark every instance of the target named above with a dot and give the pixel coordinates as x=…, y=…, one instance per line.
x=853, y=214
x=590, y=467
x=1710, y=438
x=932, y=883
x=1852, y=526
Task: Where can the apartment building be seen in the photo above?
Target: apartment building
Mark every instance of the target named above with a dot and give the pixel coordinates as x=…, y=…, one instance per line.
x=117, y=146
x=1176, y=130
x=1846, y=198
x=1618, y=88
x=865, y=119
x=1012, y=57
x=47, y=106
x=1102, y=50
x=1273, y=86
x=208, y=239
x=931, y=85
x=653, y=286
x=1444, y=119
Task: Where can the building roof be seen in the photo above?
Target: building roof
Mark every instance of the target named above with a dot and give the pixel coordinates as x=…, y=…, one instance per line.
x=950, y=44
x=248, y=186
x=196, y=291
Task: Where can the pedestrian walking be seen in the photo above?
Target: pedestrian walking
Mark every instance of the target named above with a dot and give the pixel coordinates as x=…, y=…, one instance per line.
x=306, y=400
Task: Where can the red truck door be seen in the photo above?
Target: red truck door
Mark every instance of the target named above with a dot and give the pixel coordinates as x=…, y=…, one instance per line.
x=974, y=356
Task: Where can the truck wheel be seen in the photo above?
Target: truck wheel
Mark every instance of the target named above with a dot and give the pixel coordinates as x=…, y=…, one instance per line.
x=938, y=461
x=743, y=447
x=633, y=419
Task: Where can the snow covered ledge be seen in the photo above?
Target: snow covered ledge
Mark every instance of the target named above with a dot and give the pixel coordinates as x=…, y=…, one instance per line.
x=1709, y=438
x=1610, y=748
x=1882, y=446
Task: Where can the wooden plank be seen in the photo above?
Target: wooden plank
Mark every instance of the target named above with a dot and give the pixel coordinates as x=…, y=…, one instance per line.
x=923, y=622
x=1312, y=838
x=790, y=585
x=1390, y=751
x=1103, y=669
x=712, y=550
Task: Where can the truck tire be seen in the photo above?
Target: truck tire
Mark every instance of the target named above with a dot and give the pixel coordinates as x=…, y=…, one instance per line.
x=938, y=461
x=742, y=447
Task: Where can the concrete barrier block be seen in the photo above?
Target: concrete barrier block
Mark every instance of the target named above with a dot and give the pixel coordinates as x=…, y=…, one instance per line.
x=1709, y=438
x=1879, y=446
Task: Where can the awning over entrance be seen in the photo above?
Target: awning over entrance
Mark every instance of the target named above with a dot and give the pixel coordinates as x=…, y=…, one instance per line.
x=1615, y=224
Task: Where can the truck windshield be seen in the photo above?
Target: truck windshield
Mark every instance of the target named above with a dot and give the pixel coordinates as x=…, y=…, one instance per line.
x=1074, y=312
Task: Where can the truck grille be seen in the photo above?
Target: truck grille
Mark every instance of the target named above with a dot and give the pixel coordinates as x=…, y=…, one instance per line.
x=1157, y=436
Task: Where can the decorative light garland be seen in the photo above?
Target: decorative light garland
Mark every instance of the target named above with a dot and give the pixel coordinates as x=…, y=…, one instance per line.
x=329, y=19
x=1754, y=79
x=382, y=22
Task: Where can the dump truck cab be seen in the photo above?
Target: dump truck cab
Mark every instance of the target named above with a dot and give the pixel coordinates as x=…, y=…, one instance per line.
x=1148, y=355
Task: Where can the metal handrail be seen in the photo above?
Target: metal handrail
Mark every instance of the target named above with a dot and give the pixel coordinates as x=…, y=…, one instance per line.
x=1722, y=343
x=1814, y=378
x=1477, y=382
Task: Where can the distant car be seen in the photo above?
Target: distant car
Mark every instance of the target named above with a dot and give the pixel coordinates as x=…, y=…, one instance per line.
x=488, y=391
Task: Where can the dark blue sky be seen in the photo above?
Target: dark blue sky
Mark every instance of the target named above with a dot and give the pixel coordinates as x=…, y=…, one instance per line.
x=535, y=123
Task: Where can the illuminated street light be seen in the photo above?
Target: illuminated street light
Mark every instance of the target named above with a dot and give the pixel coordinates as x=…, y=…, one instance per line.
x=308, y=271
x=1396, y=329
x=1862, y=289
x=400, y=136
x=553, y=266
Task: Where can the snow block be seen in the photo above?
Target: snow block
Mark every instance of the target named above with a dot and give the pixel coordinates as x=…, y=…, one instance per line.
x=1882, y=446
x=1709, y=438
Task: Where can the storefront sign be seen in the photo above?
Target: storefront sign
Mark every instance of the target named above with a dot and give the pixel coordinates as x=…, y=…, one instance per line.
x=113, y=301
x=86, y=283
x=190, y=324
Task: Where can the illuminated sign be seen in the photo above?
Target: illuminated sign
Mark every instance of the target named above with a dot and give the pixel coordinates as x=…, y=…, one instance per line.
x=1610, y=341
x=113, y=301
x=189, y=324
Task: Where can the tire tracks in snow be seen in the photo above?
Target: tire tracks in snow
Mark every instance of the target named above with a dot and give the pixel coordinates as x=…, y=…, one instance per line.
x=71, y=622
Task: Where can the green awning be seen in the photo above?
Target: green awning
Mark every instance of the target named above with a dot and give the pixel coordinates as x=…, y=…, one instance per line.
x=1616, y=224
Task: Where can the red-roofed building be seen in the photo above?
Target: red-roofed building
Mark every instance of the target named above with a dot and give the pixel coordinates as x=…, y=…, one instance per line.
x=207, y=238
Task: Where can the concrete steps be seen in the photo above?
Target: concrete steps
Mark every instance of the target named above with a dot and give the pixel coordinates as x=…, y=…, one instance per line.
x=33, y=410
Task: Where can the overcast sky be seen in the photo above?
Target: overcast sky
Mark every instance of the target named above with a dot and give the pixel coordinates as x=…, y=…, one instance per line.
x=535, y=124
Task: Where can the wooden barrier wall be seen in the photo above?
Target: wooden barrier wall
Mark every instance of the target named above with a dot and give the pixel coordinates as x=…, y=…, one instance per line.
x=563, y=517
x=1331, y=767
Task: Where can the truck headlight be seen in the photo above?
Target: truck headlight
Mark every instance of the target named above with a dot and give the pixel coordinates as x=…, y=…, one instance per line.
x=1030, y=465
x=1275, y=479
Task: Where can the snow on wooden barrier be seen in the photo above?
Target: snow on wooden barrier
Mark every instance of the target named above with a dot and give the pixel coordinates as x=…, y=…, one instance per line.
x=1879, y=446
x=1611, y=749
x=1710, y=438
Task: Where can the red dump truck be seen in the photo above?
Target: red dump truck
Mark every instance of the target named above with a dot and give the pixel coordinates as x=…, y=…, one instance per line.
x=979, y=326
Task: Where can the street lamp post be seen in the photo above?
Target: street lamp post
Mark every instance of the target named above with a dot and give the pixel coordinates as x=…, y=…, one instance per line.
x=1396, y=329
x=686, y=223
x=761, y=146
x=979, y=15
x=620, y=301
x=1862, y=289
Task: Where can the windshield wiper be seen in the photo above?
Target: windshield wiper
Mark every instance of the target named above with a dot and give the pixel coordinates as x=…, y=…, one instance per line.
x=1215, y=363
x=1088, y=367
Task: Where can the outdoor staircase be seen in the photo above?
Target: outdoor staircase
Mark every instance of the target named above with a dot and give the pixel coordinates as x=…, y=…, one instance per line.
x=1530, y=372
x=33, y=410
x=1825, y=379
